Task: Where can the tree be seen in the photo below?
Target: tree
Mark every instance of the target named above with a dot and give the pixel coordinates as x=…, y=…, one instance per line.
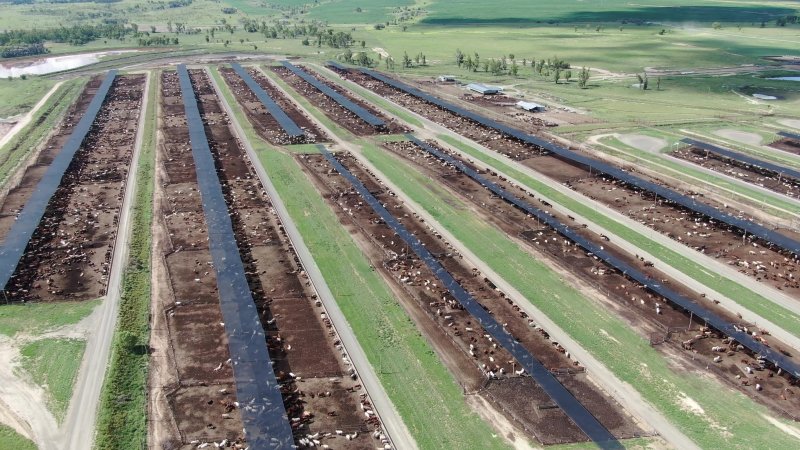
x=567, y=75
x=514, y=69
x=658, y=83
x=557, y=74
x=424, y=61
x=644, y=83
x=363, y=44
x=459, y=57
x=476, y=61
x=406, y=60
x=347, y=56
x=583, y=77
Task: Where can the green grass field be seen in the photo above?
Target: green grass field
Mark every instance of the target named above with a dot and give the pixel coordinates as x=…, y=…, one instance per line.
x=11, y=440
x=53, y=364
x=28, y=138
x=21, y=95
x=424, y=392
x=521, y=12
x=35, y=318
x=122, y=416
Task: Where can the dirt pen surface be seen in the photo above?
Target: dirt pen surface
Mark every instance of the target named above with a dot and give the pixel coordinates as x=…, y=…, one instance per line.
x=69, y=255
x=650, y=314
x=753, y=257
x=787, y=145
x=737, y=169
x=321, y=391
x=335, y=111
x=480, y=366
x=266, y=126
x=192, y=392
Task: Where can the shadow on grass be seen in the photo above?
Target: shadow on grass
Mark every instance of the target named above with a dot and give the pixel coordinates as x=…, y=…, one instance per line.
x=701, y=14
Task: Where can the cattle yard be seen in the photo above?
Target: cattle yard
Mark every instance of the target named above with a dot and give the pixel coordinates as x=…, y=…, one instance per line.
x=652, y=315
x=322, y=395
x=749, y=173
x=474, y=358
x=264, y=123
x=788, y=142
x=334, y=110
x=197, y=378
x=750, y=255
x=69, y=254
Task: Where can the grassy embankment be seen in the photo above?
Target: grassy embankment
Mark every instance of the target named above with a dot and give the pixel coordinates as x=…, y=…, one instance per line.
x=53, y=364
x=12, y=440
x=45, y=120
x=427, y=397
x=36, y=318
x=21, y=95
x=596, y=329
x=121, y=422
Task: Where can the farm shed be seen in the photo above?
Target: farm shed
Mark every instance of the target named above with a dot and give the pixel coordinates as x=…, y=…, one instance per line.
x=530, y=106
x=484, y=89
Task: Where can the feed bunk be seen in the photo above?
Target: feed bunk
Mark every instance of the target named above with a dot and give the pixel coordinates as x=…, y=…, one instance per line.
x=257, y=389
x=22, y=230
x=362, y=113
x=784, y=242
x=560, y=395
x=632, y=272
x=766, y=165
x=280, y=116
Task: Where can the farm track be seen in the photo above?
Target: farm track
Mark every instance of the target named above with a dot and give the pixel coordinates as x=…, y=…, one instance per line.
x=336, y=112
x=69, y=255
x=651, y=315
x=753, y=257
x=458, y=339
x=319, y=393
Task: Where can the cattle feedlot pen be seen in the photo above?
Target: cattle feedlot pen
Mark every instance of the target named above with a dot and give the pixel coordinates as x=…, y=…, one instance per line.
x=551, y=386
x=362, y=113
x=275, y=111
x=633, y=273
x=23, y=228
x=766, y=165
x=748, y=226
x=265, y=421
x=786, y=134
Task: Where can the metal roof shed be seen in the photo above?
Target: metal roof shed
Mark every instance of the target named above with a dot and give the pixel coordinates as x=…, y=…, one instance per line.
x=483, y=89
x=530, y=106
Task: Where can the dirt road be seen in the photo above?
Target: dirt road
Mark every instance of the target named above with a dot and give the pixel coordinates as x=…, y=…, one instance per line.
x=25, y=120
